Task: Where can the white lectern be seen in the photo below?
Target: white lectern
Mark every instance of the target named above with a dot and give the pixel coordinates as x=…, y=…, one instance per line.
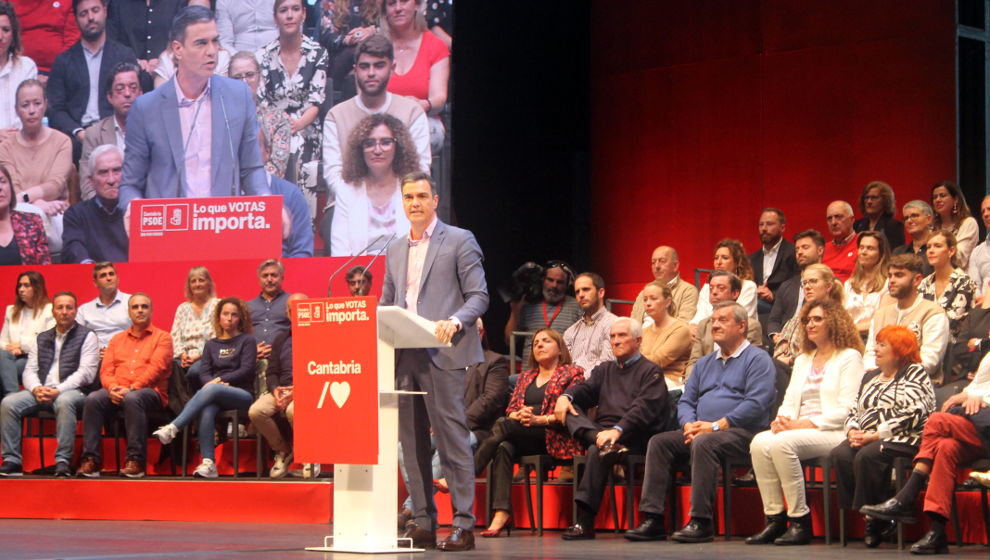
x=365, y=496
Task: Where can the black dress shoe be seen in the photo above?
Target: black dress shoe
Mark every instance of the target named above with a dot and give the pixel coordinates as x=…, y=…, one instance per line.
x=421, y=538
x=798, y=532
x=776, y=526
x=578, y=532
x=458, y=540
x=696, y=531
x=651, y=529
x=891, y=510
x=876, y=531
x=934, y=542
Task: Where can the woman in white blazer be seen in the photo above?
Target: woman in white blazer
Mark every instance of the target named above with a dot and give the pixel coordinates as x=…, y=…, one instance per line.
x=368, y=209
x=30, y=315
x=824, y=384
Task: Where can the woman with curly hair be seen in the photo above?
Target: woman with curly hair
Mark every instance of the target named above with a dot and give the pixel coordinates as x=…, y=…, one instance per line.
x=368, y=210
x=878, y=207
x=952, y=213
x=730, y=256
x=823, y=388
x=866, y=289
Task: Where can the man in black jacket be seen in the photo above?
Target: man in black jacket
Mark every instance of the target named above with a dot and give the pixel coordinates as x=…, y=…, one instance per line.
x=773, y=263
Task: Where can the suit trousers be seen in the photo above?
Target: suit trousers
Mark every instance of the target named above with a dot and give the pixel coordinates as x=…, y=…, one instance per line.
x=777, y=466
x=442, y=407
x=863, y=473
x=705, y=452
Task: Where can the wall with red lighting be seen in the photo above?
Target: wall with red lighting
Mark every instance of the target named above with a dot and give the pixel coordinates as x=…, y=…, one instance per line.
x=704, y=112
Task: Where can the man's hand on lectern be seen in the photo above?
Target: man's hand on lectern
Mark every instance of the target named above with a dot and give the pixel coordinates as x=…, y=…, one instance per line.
x=445, y=330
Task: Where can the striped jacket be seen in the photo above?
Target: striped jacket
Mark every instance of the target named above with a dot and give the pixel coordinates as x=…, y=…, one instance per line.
x=897, y=410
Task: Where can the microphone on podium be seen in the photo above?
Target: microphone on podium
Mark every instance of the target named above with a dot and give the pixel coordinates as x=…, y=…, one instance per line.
x=350, y=260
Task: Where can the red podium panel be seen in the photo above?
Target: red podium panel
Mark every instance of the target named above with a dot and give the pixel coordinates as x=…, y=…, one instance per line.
x=221, y=228
x=335, y=378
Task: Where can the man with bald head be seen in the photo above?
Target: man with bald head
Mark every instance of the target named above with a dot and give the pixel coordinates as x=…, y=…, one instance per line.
x=684, y=296
x=841, y=250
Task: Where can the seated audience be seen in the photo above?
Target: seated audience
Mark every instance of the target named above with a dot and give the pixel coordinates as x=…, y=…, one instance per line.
x=422, y=61
x=725, y=402
x=278, y=399
x=297, y=231
x=667, y=341
x=918, y=218
x=107, y=314
x=167, y=63
x=143, y=26
x=39, y=157
x=93, y=230
x=684, y=296
x=30, y=314
x=971, y=345
x=22, y=234
x=123, y=87
x=925, y=318
x=59, y=371
x=885, y=423
x=773, y=263
x=818, y=285
x=358, y=281
x=809, y=246
x=587, y=339
x=14, y=69
x=194, y=324
x=368, y=208
x=555, y=310
x=246, y=25
x=979, y=259
x=878, y=207
x=227, y=377
x=268, y=310
x=631, y=401
x=273, y=123
x=949, y=286
x=294, y=80
x=730, y=256
x=343, y=25
x=722, y=286
x=826, y=377
x=840, y=253
x=529, y=427
x=866, y=288
x=77, y=84
x=952, y=213
x=46, y=31
x=134, y=377
x=951, y=438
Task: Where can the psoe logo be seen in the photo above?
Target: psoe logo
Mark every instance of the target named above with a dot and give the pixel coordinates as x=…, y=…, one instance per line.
x=304, y=314
x=152, y=218
x=177, y=217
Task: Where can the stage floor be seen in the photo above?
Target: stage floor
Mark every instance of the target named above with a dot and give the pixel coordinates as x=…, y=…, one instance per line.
x=123, y=540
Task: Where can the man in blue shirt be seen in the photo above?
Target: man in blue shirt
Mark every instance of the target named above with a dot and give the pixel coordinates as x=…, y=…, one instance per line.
x=725, y=402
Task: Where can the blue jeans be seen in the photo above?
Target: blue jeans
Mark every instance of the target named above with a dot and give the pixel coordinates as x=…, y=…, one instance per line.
x=437, y=471
x=15, y=406
x=205, y=405
x=11, y=368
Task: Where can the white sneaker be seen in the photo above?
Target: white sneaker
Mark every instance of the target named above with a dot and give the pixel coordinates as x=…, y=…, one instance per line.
x=281, y=466
x=311, y=470
x=206, y=469
x=166, y=433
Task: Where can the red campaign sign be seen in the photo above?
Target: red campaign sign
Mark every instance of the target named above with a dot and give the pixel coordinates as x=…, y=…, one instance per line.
x=220, y=228
x=335, y=380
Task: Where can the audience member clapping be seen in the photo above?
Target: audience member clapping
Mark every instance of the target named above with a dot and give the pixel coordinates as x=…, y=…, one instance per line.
x=22, y=234
x=885, y=423
x=194, y=323
x=273, y=123
x=952, y=213
x=878, y=207
x=14, y=69
x=949, y=286
x=30, y=314
x=228, y=379
x=730, y=256
x=93, y=230
x=666, y=342
x=866, y=289
x=369, y=206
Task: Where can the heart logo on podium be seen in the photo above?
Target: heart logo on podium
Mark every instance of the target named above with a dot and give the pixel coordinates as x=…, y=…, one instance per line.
x=340, y=391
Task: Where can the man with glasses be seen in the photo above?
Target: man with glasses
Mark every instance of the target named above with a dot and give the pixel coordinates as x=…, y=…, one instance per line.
x=123, y=87
x=918, y=217
x=684, y=296
x=722, y=287
x=926, y=319
x=841, y=252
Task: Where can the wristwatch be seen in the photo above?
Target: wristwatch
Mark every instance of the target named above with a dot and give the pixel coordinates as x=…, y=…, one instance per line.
x=715, y=426
x=25, y=198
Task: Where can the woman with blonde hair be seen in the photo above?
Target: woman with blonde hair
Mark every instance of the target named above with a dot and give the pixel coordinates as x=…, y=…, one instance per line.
x=818, y=283
x=823, y=388
x=193, y=323
x=667, y=341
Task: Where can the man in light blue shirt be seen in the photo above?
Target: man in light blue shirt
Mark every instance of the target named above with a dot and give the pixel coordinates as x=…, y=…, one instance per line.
x=106, y=315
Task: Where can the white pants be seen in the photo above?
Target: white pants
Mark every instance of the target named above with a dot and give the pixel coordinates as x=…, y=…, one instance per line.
x=777, y=465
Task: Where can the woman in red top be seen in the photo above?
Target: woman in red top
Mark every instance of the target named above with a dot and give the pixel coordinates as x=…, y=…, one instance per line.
x=422, y=61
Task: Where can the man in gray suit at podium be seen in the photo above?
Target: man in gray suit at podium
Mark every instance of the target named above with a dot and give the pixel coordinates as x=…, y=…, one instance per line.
x=436, y=272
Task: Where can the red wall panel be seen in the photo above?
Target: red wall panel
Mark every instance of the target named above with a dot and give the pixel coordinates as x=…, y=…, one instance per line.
x=801, y=104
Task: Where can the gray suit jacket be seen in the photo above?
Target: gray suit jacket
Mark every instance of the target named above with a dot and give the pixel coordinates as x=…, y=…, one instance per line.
x=452, y=285
x=154, y=164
